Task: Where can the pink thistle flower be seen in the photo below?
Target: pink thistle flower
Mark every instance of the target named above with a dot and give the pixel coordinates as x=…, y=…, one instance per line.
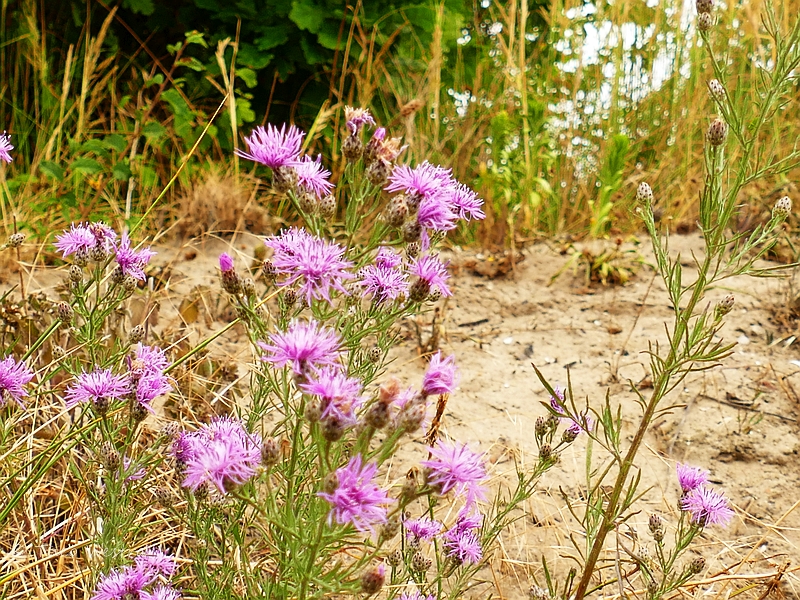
x=133, y=473
x=425, y=179
x=14, y=376
x=5, y=147
x=383, y=284
x=161, y=592
x=415, y=595
x=122, y=583
x=707, y=507
x=457, y=468
x=691, y=478
x=317, y=265
x=431, y=273
x=313, y=177
x=387, y=258
x=304, y=346
x=274, y=147
x=157, y=562
x=225, y=262
x=356, y=499
x=557, y=401
x=148, y=359
x=81, y=239
x=464, y=547
x=466, y=203
x=147, y=374
x=149, y=387
x=356, y=118
x=340, y=394
x=132, y=262
x=422, y=529
x=221, y=453
x=434, y=213
x=101, y=387
x=441, y=376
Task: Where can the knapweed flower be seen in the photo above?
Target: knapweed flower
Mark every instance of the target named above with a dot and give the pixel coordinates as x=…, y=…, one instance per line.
x=424, y=180
x=147, y=374
x=153, y=560
x=274, y=147
x=315, y=265
x=431, y=274
x=557, y=401
x=422, y=528
x=100, y=387
x=122, y=584
x=456, y=467
x=463, y=547
x=435, y=213
x=383, y=283
x=339, y=393
x=221, y=453
x=5, y=147
x=312, y=177
x=386, y=258
x=14, y=376
x=225, y=262
x=707, y=507
x=415, y=595
x=356, y=118
x=161, y=592
x=305, y=345
x=132, y=262
x=441, y=376
x=690, y=478
x=148, y=359
x=466, y=203
x=82, y=238
x=357, y=499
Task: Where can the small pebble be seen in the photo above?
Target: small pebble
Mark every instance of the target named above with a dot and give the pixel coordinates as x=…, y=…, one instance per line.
x=508, y=341
x=743, y=340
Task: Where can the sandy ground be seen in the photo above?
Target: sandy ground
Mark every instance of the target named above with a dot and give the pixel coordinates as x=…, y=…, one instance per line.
x=738, y=420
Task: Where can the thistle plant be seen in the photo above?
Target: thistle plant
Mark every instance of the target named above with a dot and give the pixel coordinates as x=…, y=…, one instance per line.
x=694, y=339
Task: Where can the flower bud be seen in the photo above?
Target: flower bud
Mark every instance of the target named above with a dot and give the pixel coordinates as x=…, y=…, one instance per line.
x=81, y=257
x=545, y=452
x=307, y=202
x=164, y=496
x=395, y=559
x=136, y=334
x=378, y=172
x=270, y=452
x=704, y=6
x=697, y=565
x=15, y=240
x=64, y=312
x=724, y=306
x=313, y=410
x=352, y=147
x=390, y=529
x=377, y=416
x=98, y=254
x=413, y=249
x=705, y=21
x=411, y=231
x=170, y=430
x=138, y=411
x=372, y=579
x=419, y=290
x=570, y=435
x=782, y=208
x=541, y=427
x=434, y=296
x=333, y=428
x=420, y=563
x=375, y=354
x=118, y=276
x=644, y=193
x=75, y=274
x=717, y=131
x=109, y=456
x=289, y=297
x=248, y=286
x=284, y=179
x=327, y=205
x=716, y=89
x=269, y=270
x=58, y=352
x=396, y=211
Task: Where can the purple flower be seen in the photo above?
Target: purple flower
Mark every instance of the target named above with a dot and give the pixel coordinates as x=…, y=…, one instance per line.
x=425, y=180
x=340, y=394
x=274, y=147
x=147, y=374
x=81, y=239
x=134, y=474
x=356, y=499
x=415, y=595
x=317, y=265
x=557, y=401
x=101, y=387
x=161, y=592
x=387, y=258
x=225, y=262
x=149, y=387
x=435, y=213
x=148, y=359
x=383, y=284
x=467, y=521
x=440, y=378
x=5, y=147
x=305, y=346
x=121, y=584
x=456, y=468
x=157, y=562
x=422, y=529
x=466, y=203
x=707, y=507
x=222, y=453
x=356, y=118
x=14, y=376
x=430, y=270
x=464, y=547
x=313, y=177
x=691, y=478
x=133, y=262
x=583, y=424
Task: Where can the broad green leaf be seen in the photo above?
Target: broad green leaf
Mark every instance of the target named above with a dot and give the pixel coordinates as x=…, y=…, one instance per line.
x=140, y=7
x=88, y=166
x=121, y=171
x=195, y=37
x=95, y=146
x=306, y=16
x=153, y=130
x=116, y=142
x=52, y=170
x=270, y=38
x=248, y=76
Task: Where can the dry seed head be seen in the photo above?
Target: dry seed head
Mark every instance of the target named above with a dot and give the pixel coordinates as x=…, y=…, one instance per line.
x=652, y=587
x=716, y=89
x=352, y=148
x=717, y=132
x=284, y=179
x=58, y=352
x=269, y=270
x=372, y=579
x=136, y=334
x=75, y=274
x=374, y=354
x=704, y=6
x=307, y=202
x=128, y=285
x=289, y=297
x=413, y=249
x=644, y=193
x=397, y=211
x=327, y=205
x=697, y=565
x=705, y=21
x=420, y=563
x=64, y=312
x=15, y=240
x=783, y=207
x=98, y=254
x=270, y=452
x=435, y=295
x=248, y=286
x=725, y=305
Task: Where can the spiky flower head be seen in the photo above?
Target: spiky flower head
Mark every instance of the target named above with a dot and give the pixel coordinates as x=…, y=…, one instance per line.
x=312, y=177
x=463, y=547
x=441, y=376
x=466, y=203
x=356, y=118
x=132, y=262
x=372, y=579
x=305, y=345
x=225, y=262
x=644, y=194
x=422, y=528
x=153, y=560
x=14, y=376
x=725, y=305
x=690, y=478
x=339, y=393
x=356, y=499
x=161, y=592
x=431, y=273
x=83, y=238
x=122, y=584
x=782, y=208
x=415, y=595
x=5, y=147
x=387, y=258
x=383, y=283
x=707, y=507
x=455, y=467
x=717, y=131
x=274, y=147
x=221, y=453
x=100, y=387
